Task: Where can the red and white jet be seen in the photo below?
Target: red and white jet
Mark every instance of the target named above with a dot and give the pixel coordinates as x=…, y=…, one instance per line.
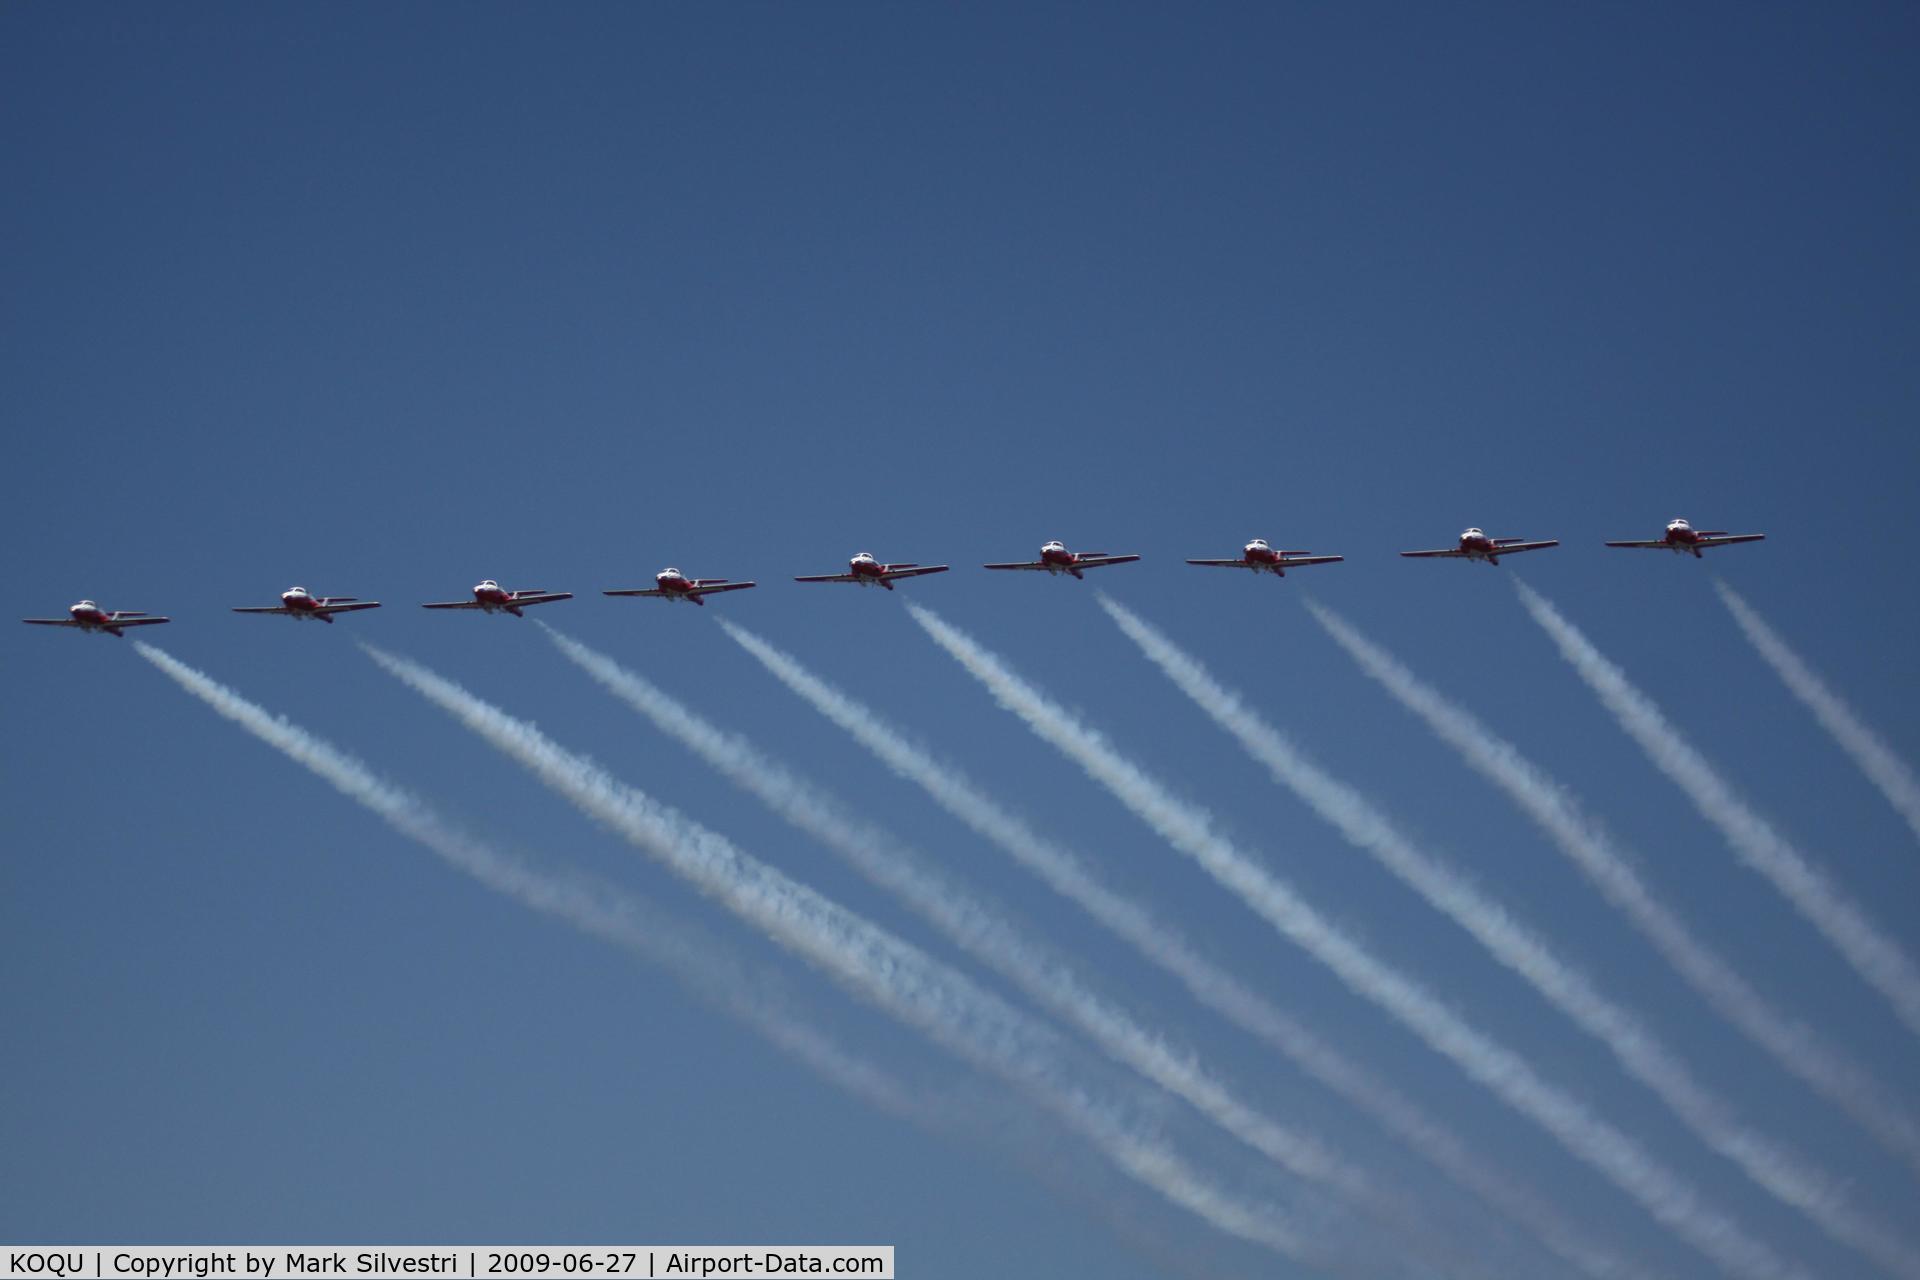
x=1056, y=559
x=868, y=572
x=1682, y=536
x=1475, y=545
x=89, y=616
x=1261, y=558
x=491, y=597
x=671, y=584
x=298, y=602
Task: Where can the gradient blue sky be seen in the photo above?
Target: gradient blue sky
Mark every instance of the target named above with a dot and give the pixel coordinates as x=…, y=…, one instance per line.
x=386, y=299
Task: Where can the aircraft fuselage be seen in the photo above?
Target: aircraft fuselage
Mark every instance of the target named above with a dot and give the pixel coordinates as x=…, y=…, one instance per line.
x=492, y=597
x=301, y=605
x=868, y=572
x=1682, y=537
x=1058, y=559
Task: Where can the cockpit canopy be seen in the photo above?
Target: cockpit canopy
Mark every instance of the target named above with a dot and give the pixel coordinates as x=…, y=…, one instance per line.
x=669, y=572
x=1473, y=533
x=296, y=591
x=1678, y=520
x=86, y=604
x=489, y=584
x=1055, y=545
x=864, y=555
x=1261, y=543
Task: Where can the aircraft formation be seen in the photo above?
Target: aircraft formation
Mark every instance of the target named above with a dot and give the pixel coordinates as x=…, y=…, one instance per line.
x=864, y=570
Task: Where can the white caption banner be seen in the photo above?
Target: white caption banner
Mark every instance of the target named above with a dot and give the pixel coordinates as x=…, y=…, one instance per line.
x=466, y=1261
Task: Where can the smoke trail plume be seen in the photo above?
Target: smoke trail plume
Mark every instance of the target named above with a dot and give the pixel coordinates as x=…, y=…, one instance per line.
x=1660, y=1191
x=1784, y=1173
x=975, y=924
x=1875, y=758
x=874, y=964
x=1071, y=876
x=1874, y=955
x=1586, y=843
x=595, y=909
x=757, y=997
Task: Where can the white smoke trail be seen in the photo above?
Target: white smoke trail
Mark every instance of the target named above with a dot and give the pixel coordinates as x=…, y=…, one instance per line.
x=1583, y=840
x=978, y=926
x=1071, y=876
x=893, y=975
x=1875, y=758
x=594, y=909
x=1784, y=1173
x=1874, y=955
x=1660, y=1191
x=756, y=997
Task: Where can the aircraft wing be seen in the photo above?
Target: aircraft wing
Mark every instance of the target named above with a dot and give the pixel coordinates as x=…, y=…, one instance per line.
x=345, y=605
x=1454, y=552
x=887, y=572
x=636, y=591
x=265, y=608
x=1661, y=543
x=1094, y=562
x=704, y=588
x=1288, y=561
x=50, y=622
x=539, y=597
x=1023, y=564
x=1508, y=548
x=1223, y=564
x=453, y=604
x=1728, y=539
x=134, y=620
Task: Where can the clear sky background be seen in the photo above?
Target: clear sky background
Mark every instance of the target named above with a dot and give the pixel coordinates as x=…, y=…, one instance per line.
x=386, y=299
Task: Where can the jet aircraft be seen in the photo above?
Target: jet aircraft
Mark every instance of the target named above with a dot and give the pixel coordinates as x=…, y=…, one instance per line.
x=1475, y=545
x=297, y=602
x=1056, y=559
x=1683, y=537
x=89, y=616
x=671, y=584
x=1261, y=558
x=491, y=597
x=868, y=572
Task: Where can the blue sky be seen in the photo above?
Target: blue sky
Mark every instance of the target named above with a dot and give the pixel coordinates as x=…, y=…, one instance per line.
x=384, y=300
